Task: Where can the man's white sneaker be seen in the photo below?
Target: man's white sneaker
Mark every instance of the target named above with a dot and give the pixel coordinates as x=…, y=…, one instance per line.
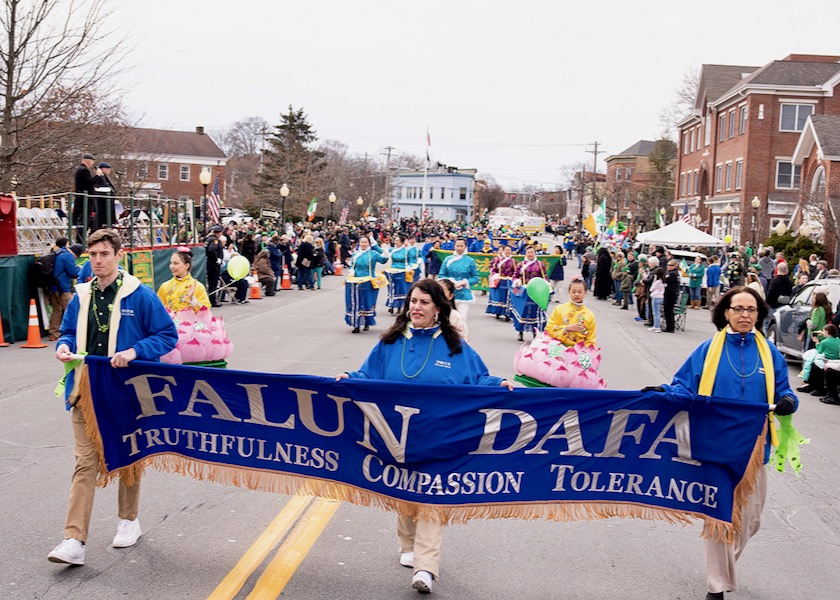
x=407, y=559
x=422, y=582
x=69, y=552
x=128, y=532
x=655, y=330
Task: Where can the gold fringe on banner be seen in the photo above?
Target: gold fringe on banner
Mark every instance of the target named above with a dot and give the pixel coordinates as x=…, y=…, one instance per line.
x=289, y=484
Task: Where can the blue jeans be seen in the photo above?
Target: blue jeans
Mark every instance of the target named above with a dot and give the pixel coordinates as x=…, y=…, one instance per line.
x=617, y=289
x=694, y=294
x=657, y=312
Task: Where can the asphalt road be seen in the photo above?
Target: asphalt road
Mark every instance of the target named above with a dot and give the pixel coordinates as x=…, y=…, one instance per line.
x=195, y=532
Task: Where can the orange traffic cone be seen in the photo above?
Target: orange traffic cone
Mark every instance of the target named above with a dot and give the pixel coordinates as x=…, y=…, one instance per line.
x=337, y=268
x=33, y=335
x=256, y=292
x=286, y=283
x=3, y=341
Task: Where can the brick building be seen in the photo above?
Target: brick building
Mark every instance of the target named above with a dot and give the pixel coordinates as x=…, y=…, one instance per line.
x=736, y=148
x=630, y=181
x=168, y=163
x=817, y=154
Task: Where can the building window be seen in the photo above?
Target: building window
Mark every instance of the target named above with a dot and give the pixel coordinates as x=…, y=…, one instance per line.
x=163, y=171
x=699, y=133
x=696, y=182
x=708, y=134
x=185, y=172
x=731, y=123
x=618, y=173
x=718, y=177
x=626, y=199
x=628, y=173
x=742, y=121
x=787, y=175
x=739, y=172
x=691, y=143
x=442, y=190
x=685, y=142
x=462, y=193
x=728, y=176
x=794, y=116
x=722, y=128
x=688, y=186
x=682, y=184
x=142, y=170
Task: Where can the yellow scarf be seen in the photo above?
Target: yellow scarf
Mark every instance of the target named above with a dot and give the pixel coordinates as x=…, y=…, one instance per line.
x=710, y=367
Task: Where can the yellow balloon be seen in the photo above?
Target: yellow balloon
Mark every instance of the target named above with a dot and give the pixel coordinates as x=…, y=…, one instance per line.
x=728, y=239
x=238, y=267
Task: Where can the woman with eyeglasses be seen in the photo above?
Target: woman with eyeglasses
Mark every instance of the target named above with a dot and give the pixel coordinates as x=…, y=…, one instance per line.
x=738, y=363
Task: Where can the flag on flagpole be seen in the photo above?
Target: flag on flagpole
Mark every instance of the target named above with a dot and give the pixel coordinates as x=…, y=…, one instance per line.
x=428, y=147
x=611, y=228
x=342, y=219
x=686, y=217
x=313, y=206
x=213, y=201
x=368, y=211
x=684, y=268
x=660, y=219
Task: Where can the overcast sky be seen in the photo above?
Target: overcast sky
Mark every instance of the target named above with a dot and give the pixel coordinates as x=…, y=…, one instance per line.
x=516, y=89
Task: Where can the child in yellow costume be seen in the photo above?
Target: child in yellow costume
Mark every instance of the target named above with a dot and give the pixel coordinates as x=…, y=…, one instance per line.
x=572, y=322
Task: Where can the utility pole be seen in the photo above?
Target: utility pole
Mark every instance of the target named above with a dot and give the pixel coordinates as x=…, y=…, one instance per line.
x=595, y=154
x=388, y=191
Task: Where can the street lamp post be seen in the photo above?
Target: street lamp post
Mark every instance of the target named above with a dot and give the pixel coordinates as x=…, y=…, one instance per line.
x=284, y=193
x=332, y=206
x=729, y=210
x=805, y=230
x=755, y=203
x=204, y=178
x=359, y=202
x=662, y=214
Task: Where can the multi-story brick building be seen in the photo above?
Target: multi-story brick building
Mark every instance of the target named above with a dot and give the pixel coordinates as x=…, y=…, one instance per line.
x=735, y=164
x=632, y=183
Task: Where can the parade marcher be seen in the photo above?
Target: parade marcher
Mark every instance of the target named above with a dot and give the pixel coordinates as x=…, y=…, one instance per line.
x=572, y=322
x=182, y=291
x=457, y=319
x=60, y=291
x=696, y=272
x=412, y=351
x=502, y=272
x=265, y=274
x=672, y=294
x=463, y=272
x=114, y=315
x=527, y=315
x=603, y=281
x=433, y=263
x=361, y=289
x=738, y=361
x=104, y=196
x=412, y=257
x=557, y=274
x=214, y=250
x=399, y=276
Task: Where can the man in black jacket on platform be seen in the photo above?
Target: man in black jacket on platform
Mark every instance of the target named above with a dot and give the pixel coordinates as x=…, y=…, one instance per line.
x=82, y=184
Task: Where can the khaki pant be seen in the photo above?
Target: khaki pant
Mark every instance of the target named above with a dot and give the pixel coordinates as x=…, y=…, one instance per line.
x=721, y=557
x=58, y=301
x=83, y=485
x=424, y=539
x=712, y=295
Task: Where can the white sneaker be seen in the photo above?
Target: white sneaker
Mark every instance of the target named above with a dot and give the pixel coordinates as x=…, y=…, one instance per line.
x=407, y=559
x=128, y=532
x=69, y=552
x=422, y=582
x=655, y=330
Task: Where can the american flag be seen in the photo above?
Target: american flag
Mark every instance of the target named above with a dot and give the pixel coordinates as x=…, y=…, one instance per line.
x=686, y=217
x=344, y=212
x=213, y=201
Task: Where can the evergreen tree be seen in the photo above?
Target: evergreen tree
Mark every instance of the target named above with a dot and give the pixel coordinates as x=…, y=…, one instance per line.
x=291, y=159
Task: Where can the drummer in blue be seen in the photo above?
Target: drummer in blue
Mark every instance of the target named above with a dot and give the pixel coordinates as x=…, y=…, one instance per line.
x=461, y=269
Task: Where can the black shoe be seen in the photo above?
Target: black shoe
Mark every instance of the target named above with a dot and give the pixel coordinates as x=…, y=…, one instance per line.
x=390, y=311
x=830, y=400
x=242, y=301
x=520, y=337
x=805, y=388
x=366, y=327
x=624, y=308
x=215, y=305
x=355, y=330
x=714, y=596
x=507, y=319
x=818, y=392
x=497, y=317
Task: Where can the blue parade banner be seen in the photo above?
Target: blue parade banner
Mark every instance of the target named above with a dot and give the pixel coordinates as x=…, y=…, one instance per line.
x=451, y=453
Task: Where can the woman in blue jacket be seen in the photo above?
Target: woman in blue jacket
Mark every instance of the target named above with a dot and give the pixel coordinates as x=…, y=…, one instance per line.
x=423, y=347
x=462, y=270
x=361, y=289
x=739, y=363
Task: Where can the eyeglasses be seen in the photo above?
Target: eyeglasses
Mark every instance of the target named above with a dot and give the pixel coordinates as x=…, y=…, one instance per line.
x=740, y=310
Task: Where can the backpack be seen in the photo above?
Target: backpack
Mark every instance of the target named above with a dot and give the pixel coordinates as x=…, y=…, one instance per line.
x=44, y=268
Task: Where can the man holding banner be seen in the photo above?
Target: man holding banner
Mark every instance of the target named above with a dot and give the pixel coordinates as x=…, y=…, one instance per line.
x=754, y=370
x=113, y=315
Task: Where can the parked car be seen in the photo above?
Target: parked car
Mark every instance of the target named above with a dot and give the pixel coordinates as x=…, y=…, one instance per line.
x=783, y=328
x=236, y=217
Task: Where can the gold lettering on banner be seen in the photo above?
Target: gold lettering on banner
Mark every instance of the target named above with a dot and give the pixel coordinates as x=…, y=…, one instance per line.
x=307, y=412
x=146, y=396
x=493, y=425
x=210, y=397
x=570, y=422
x=374, y=416
x=257, y=407
x=682, y=430
x=618, y=431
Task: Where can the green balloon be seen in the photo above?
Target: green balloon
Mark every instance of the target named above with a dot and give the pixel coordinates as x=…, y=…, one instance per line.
x=539, y=291
x=238, y=267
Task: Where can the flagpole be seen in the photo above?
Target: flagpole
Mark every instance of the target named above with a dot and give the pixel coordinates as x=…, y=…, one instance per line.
x=425, y=177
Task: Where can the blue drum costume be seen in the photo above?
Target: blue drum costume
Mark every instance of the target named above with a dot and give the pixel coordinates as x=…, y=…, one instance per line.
x=360, y=294
x=527, y=316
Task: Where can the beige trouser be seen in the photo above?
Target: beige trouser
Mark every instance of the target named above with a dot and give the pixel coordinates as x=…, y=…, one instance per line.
x=59, y=302
x=721, y=557
x=83, y=485
x=424, y=539
x=712, y=295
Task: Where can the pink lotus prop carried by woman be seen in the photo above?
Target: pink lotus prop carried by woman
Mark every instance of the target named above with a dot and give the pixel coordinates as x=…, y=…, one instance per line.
x=201, y=338
x=550, y=362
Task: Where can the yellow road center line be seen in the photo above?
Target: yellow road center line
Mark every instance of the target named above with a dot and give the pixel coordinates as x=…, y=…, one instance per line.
x=294, y=549
x=253, y=558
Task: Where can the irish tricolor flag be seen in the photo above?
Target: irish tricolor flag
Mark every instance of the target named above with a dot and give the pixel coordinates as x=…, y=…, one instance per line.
x=310, y=212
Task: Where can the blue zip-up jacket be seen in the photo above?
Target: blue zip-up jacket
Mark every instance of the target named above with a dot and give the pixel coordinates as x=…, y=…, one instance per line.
x=139, y=320
x=713, y=276
x=398, y=258
x=740, y=352
x=364, y=263
x=64, y=271
x=456, y=270
x=412, y=353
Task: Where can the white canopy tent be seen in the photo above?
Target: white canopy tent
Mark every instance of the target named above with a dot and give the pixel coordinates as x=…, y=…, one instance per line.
x=679, y=233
